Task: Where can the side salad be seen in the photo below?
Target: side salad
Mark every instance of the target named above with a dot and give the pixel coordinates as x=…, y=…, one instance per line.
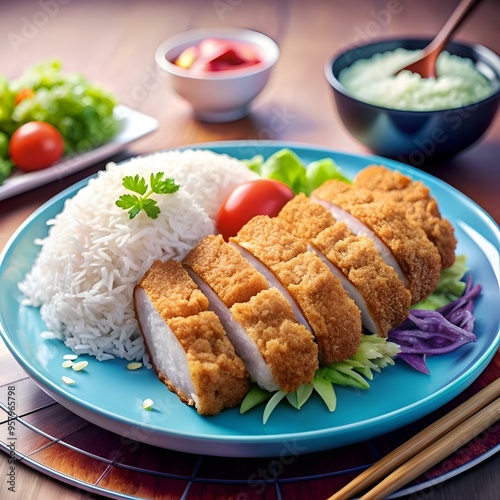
x=441, y=323
x=47, y=113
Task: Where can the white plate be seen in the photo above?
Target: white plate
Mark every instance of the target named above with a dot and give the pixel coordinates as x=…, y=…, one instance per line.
x=132, y=126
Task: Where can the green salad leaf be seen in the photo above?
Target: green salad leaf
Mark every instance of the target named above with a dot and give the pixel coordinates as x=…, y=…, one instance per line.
x=287, y=167
x=80, y=110
x=47, y=74
x=6, y=164
x=6, y=167
x=4, y=145
x=6, y=102
x=374, y=354
x=320, y=171
x=449, y=288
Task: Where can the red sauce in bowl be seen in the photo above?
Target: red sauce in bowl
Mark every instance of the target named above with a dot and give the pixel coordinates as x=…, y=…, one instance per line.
x=214, y=54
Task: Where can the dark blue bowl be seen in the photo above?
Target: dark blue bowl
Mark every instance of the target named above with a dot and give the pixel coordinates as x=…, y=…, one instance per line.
x=415, y=137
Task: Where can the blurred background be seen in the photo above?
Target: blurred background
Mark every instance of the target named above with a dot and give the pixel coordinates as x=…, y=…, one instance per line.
x=121, y=55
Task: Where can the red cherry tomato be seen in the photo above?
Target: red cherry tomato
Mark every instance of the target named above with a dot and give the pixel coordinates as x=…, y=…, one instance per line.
x=36, y=145
x=258, y=197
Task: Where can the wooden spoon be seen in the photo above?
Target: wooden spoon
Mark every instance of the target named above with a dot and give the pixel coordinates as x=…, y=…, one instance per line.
x=426, y=65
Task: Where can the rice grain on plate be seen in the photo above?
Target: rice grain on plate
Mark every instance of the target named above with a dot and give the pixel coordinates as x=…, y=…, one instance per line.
x=84, y=276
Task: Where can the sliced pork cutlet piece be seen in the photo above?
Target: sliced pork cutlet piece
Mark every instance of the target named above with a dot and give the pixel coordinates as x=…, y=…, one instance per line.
x=305, y=217
x=329, y=191
x=381, y=296
x=278, y=351
x=224, y=269
x=420, y=205
x=400, y=240
x=369, y=281
x=333, y=316
x=286, y=346
x=187, y=345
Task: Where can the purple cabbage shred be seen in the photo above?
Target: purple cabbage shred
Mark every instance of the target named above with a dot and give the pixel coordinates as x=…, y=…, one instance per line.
x=427, y=333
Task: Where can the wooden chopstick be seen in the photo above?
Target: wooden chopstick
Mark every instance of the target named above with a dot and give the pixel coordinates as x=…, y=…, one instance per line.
x=467, y=421
x=436, y=452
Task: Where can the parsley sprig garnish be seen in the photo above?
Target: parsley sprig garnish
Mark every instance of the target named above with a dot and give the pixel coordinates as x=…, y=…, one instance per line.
x=134, y=203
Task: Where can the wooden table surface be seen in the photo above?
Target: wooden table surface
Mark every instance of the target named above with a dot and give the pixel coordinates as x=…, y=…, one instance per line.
x=113, y=42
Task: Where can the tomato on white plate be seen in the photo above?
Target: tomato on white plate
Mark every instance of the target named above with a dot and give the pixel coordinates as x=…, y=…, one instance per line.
x=251, y=198
x=36, y=145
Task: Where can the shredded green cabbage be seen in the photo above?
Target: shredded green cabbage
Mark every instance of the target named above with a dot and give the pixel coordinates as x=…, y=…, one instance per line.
x=374, y=354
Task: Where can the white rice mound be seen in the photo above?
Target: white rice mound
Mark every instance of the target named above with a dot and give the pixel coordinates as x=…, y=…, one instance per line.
x=85, y=273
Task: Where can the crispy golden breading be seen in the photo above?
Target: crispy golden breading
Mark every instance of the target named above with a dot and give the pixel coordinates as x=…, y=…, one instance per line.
x=438, y=230
x=184, y=297
x=420, y=205
x=225, y=270
x=271, y=236
x=342, y=193
x=305, y=217
x=386, y=298
x=218, y=374
x=264, y=313
x=376, y=177
x=417, y=256
x=333, y=316
x=286, y=346
x=336, y=192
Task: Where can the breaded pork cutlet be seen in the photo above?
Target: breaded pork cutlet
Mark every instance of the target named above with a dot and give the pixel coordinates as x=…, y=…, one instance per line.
x=223, y=268
x=187, y=344
x=370, y=282
x=305, y=217
x=286, y=346
x=387, y=224
x=278, y=351
x=420, y=205
x=332, y=315
x=382, y=297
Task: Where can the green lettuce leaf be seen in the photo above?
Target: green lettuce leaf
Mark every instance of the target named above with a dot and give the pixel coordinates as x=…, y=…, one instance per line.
x=287, y=167
x=6, y=167
x=4, y=145
x=373, y=354
x=6, y=106
x=80, y=110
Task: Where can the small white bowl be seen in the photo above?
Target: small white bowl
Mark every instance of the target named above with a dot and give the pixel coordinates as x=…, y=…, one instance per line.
x=218, y=96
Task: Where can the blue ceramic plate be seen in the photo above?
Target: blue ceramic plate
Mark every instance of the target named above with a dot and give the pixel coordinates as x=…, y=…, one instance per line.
x=109, y=395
